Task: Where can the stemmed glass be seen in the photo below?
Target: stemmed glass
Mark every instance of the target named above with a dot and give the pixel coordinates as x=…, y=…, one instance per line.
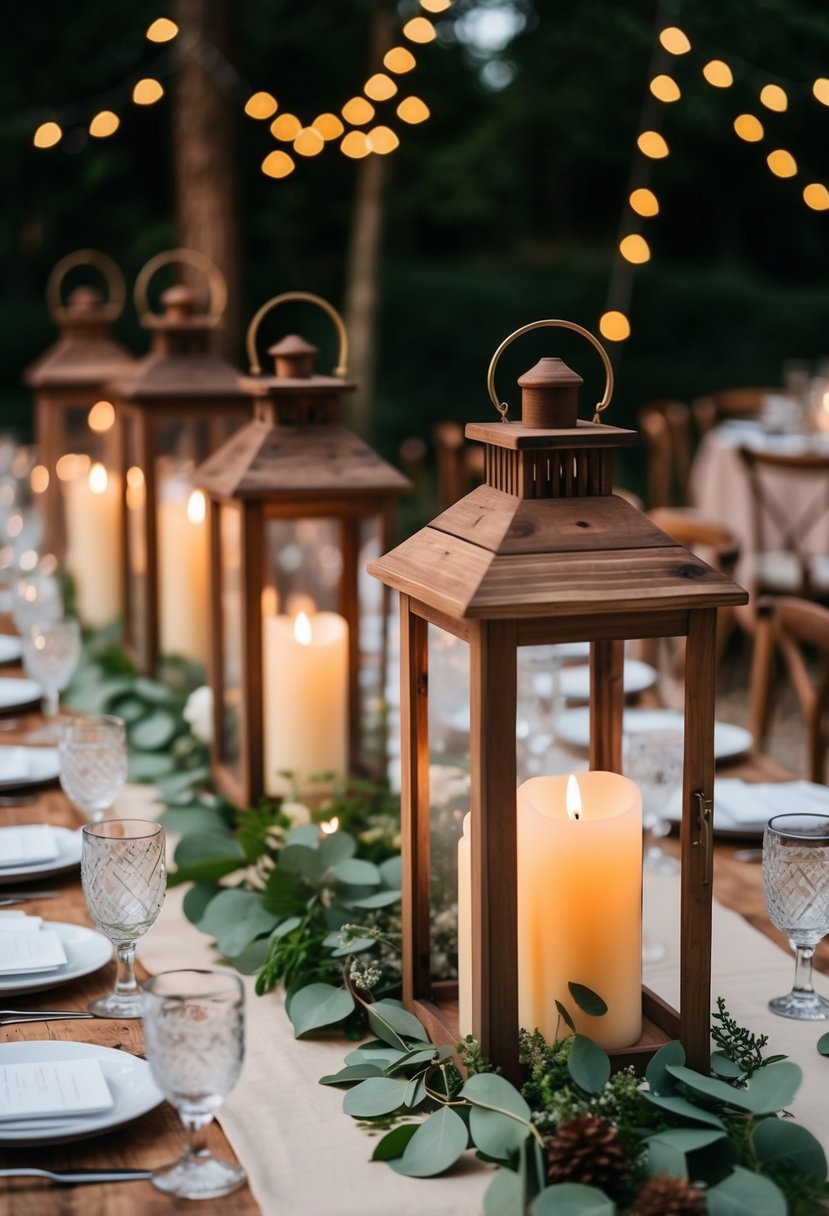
x=796, y=889
x=654, y=760
x=194, y=1040
x=37, y=597
x=93, y=763
x=51, y=652
x=124, y=879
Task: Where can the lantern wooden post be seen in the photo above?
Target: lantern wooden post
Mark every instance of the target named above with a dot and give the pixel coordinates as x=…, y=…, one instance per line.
x=293, y=464
x=544, y=553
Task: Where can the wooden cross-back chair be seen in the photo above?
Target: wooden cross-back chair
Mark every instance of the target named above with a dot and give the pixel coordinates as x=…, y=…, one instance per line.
x=793, y=627
x=460, y=465
x=666, y=428
x=789, y=565
x=707, y=411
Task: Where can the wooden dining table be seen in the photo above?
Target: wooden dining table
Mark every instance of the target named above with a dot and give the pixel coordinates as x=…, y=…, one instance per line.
x=157, y=1138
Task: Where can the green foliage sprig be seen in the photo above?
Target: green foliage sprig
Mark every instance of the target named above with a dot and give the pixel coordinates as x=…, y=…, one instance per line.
x=740, y=1049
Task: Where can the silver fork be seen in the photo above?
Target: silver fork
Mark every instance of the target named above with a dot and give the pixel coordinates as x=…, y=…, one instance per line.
x=8, y=1017
x=74, y=1177
x=25, y=897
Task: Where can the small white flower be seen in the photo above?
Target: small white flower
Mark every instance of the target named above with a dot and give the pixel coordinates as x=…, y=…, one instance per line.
x=198, y=713
x=297, y=812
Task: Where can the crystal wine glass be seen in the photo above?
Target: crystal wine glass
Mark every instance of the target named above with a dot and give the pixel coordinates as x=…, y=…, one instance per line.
x=194, y=1040
x=796, y=889
x=93, y=763
x=124, y=879
x=37, y=597
x=654, y=760
x=51, y=652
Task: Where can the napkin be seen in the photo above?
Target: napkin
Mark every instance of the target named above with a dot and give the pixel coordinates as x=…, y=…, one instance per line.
x=14, y=763
x=57, y=1087
x=27, y=845
x=26, y=946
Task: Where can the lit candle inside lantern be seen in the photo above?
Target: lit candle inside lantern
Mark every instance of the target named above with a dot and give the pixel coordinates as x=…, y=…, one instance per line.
x=183, y=572
x=579, y=906
x=305, y=698
x=93, y=556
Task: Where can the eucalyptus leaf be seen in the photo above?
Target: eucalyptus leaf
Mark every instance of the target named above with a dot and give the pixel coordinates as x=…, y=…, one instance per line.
x=415, y=1092
x=318, y=1005
x=235, y=918
x=435, y=1147
x=254, y=956
x=381, y=899
x=149, y=766
x=356, y=873
x=300, y=859
x=588, y=1065
x=194, y=821
x=207, y=845
x=587, y=1000
x=684, y=1109
x=564, y=1014
x=375, y=1053
x=154, y=732
x=572, y=1199
x=129, y=708
x=724, y=1066
x=196, y=900
x=389, y=1019
x=394, y=1142
x=491, y=1092
x=391, y=872
x=352, y=1073
x=178, y=782
x=505, y=1195
x=823, y=1044
x=305, y=833
x=780, y=1142
x=152, y=691
x=374, y=1097
x=499, y=1136
x=283, y=894
x=339, y=846
x=745, y=1193
x=667, y=1150
x=424, y=1053
x=355, y=946
x=769, y=1090
x=657, y=1075
x=208, y=869
x=287, y=926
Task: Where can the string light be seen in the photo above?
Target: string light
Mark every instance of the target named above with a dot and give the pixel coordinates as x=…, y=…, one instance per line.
x=286, y=127
x=821, y=90
x=355, y=145
x=103, y=124
x=162, y=30
x=815, y=195
x=147, y=92
x=749, y=128
x=675, y=41
x=261, y=105
x=277, y=164
x=358, y=111
x=774, y=98
x=644, y=202
x=718, y=74
x=652, y=144
x=328, y=125
x=419, y=30
x=412, y=110
x=399, y=60
x=614, y=326
x=380, y=87
x=309, y=142
x=665, y=88
x=382, y=140
x=782, y=163
x=634, y=248
x=436, y=6
x=47, y=135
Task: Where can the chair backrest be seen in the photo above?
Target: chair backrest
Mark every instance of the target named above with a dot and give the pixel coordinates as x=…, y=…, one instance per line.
x=729, y=403
x=788, y=625
x=666, y=428
x=772, y=508
x=460, y=465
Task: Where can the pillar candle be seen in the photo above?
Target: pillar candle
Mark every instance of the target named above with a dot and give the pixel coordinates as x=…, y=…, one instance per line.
x=93, y=556
x=305, y=672
x=183, y=586
x=579, y=906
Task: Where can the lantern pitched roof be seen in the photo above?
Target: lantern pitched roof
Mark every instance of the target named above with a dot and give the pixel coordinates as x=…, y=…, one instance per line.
x=286, y=462
x=74, y=363
x=157, y=377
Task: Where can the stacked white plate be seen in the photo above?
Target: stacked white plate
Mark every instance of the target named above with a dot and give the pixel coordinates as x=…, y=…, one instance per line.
x=33, y=849
x=573, y=728
x=25, y=767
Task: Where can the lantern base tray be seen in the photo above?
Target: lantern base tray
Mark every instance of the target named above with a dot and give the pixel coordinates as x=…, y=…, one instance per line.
x=660, y=1024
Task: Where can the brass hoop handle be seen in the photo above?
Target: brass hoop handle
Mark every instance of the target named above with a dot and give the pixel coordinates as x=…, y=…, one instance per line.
x=116, y=286
x=216, y=284
x=502, y=407
x=253, y=329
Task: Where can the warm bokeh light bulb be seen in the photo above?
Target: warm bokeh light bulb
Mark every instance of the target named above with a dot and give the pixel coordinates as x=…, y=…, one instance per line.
x=815, y=195
x=665, y=88
x=39, y=479
x=436, y=6
x=358, y=111
x=420, y=30
x=382, y=140
x=98, y=478
x=328, y=126
x=261, y=105
x=162, y=30
x=355, y=145
x=652, y=144
x=614, y=326
x=286, y=127
x=104, y=123
x=277, y=164
x=47, y=135
x=634, y=248
x=309, y=142
x=782, y=163
x=644, y=202
x=821, y=90
x=413, y=110
x=147, y=91
x=718, y=74
x=749, y=128
x=380, y=87
x=774, y=98
x=675, y=41
x=399, y=60
x=101, y=417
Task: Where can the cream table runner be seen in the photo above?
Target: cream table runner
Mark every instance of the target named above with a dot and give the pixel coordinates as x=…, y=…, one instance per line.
x=303, y=1155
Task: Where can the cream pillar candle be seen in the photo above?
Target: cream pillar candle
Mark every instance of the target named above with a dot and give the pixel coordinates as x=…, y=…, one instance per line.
x=580, y=902
x=93, y=556
x=183, y=587
x=305, y=678
x=465, y=928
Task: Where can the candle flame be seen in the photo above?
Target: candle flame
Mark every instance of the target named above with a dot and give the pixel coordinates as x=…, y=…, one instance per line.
x=98, y=478
x=572, y=798
x=302, y=630
x=196, y=507
x=330, y=826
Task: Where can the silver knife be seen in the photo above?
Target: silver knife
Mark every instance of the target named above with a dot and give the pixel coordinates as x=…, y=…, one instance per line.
x=78, y=1177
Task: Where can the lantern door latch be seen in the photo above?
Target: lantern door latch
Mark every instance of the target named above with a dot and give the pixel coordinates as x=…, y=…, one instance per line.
x=704, y=833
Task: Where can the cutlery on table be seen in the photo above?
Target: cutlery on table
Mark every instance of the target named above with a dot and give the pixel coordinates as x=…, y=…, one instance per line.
x=25, y=897
x=77, y=1177
x=16, y=799
x=8, y=1017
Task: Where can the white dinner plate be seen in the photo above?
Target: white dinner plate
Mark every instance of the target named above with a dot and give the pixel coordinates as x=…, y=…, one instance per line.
x=129, y=1079
x=24, y=767
x=86, y=950
x=18, y=693
x=743, y=808
x=11, y=648
x=69, y=856
x=573, y=728
x=575, y=681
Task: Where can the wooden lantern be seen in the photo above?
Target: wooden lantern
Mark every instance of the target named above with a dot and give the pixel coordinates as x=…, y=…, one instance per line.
x=179, y=403
x=544, y=552
x=73, y=416
x=297, y=504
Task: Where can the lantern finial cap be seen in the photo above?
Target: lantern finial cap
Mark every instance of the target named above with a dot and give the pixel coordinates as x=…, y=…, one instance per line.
x=179, y=303
x=550, y=395
x=293, y=357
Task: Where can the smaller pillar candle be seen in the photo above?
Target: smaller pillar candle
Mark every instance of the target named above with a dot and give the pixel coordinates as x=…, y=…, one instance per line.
x=183, y=586
x=465, y=928
x=93, y=557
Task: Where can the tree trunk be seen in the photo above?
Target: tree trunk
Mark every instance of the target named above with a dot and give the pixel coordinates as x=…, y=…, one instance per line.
x=204, y=167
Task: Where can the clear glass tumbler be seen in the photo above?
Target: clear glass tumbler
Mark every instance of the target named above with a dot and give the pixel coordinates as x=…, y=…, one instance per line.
x=654, y=760
x=93, y=763
x=51, y=652
x=194, y=1040
x=796, y=889
x=124, y=880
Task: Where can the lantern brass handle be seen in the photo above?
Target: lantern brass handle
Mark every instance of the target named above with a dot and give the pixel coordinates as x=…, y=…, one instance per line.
x=286, y=297
x=704, y=834
x=502, y=407
x=216, y=284
x=116, y=286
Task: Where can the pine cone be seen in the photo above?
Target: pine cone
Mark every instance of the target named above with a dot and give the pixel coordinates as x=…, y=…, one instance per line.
x=665, y=1195
x=587, y=1149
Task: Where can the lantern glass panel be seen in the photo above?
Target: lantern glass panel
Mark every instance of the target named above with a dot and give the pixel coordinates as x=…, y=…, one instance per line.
x=89, y=429
x=135, y=499
x=376, y=692
x=230, y=625
x=303, y=566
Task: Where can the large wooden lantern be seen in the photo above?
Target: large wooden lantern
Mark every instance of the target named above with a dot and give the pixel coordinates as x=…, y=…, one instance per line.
x=179, y=403
x=543, y=553
x=298, y=504
x=75, y=430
